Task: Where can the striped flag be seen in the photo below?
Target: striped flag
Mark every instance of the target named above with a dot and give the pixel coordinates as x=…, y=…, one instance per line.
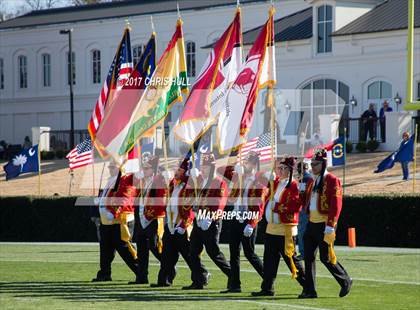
x=205, y=101
x=119, y=72
x=81, y=155
x=261, y=145
x=258, y=71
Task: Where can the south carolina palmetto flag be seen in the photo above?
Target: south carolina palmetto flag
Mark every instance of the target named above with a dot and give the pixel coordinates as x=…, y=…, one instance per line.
x=257, y=72
x=219, y=71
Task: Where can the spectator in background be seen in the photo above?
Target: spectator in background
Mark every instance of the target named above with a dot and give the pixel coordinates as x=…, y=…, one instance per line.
x=369, y=118
x=27, y=143
x=404, y=164
x=385, y=108
x=304, y=176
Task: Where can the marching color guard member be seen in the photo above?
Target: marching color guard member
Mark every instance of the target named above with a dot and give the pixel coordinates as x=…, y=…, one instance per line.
x=243, y=230
x=207, y=225
x=323, y=201
x=281, y=213
x=178, y=225
x=116, y=209
x=151, y=213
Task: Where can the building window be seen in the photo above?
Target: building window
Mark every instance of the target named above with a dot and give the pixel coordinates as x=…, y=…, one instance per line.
x=73, y=70
x=23, y=71
x=1, y=73
x=324, y=96
x=380, y=90
x=324, y=28
x=46, y=70
x=191, y=59
x=96, y=66
x=137, y=52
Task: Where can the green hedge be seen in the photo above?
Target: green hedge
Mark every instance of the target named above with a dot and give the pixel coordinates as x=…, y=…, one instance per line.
x=379, y=220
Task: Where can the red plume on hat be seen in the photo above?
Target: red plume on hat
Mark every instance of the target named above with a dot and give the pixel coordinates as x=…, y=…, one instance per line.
x=320, y=155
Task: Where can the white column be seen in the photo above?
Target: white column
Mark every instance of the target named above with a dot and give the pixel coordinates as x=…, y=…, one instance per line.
x=41, y=136
x=396, y=124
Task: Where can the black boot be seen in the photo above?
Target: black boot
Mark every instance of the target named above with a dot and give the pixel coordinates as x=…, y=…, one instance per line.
x=262, y=293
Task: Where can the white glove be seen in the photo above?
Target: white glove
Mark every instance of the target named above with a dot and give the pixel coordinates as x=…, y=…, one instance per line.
x=239, y=169
x=194, y=173
x=248, y=230
x=144, y=221
x=139, y=175
x=329, y=230
x=167, y=175
x=180, y=230
x=205, y=224
x=269, y=175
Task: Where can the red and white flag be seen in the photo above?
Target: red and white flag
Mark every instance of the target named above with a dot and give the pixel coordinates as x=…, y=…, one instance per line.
x=206, y=98
x=238, y=108
x=81, y=155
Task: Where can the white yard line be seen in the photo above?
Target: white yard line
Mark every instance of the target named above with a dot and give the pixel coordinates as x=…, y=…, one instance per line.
x=189, y=297
x=209, y=268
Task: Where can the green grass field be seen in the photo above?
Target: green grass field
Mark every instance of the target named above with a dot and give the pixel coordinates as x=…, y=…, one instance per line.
x=57, y=276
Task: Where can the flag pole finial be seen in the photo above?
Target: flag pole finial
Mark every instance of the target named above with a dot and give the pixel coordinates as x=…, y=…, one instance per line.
x=127, y=23
x=177, y=9
x=152, y=23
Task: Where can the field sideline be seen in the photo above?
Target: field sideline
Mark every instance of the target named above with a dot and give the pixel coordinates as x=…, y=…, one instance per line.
x=57, y=276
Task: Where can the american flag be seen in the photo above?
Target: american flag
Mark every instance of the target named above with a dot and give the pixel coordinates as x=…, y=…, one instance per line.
x=81, y=155
x=119, y=72
x=261, y=145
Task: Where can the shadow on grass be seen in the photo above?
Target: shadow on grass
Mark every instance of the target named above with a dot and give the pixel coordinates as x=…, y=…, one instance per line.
x=85, y=291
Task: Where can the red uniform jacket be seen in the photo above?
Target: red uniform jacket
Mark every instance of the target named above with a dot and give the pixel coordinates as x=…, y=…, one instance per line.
x=214, y=197
x=329, y=200
x=256, y=191
x=155, y=200
x=122, y=201
x=289, y=204
x=185, y=202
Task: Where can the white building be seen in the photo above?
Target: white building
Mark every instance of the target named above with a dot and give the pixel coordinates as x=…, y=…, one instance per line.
x=364, y=59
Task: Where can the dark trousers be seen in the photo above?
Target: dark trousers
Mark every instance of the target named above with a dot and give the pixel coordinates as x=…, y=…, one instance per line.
x=273, y=250
x=173, y=245
x=237, y=239
x=383, y=129
x=111, y=242
x=146, y=240
x=210, y=240
x=404, y=166
x=314, y=239
x=369, y=128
